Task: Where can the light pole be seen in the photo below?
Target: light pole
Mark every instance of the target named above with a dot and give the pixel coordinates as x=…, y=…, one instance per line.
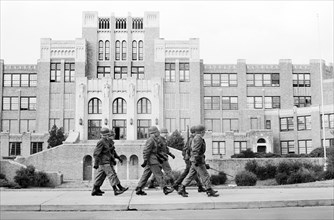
x=264, y=108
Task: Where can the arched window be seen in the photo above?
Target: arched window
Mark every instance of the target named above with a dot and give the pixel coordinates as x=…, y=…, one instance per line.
x=144, y=106
x=119, y=106
x=141, y=55
x=95, y=106
x=123, y=50
x=117, y=50
x=100, y=50
x=134, y=50
x=107, y=50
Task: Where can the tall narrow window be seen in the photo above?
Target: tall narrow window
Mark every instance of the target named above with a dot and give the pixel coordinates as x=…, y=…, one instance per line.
x=142, y=128
x=94, y=127
x=119, y=106
x=95, y=106
x=69, y=72
x=144, y=106
x=14, y=148
x=134, y=50
x=141, y=52
x=117, y=50
x=55, y=72
x=170, y=72
x=184, y=72
x=100, y=50
x=107, y=50
x=123, y=50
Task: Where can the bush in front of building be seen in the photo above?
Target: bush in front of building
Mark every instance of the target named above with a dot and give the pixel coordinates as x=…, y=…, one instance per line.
x=219, y=179
x=56, y=136
x=26, y=177
x=6, y=183
x=245, y=178
x=175, y=140
x=262, y=172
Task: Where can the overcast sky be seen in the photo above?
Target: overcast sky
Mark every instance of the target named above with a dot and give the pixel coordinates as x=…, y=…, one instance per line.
x=262, y=32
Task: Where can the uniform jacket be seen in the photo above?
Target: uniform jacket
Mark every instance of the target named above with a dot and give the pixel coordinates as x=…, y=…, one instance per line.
x=163, y=151
x=104, y=152
x=198, y=148
x=151, y=150
x=186, y=151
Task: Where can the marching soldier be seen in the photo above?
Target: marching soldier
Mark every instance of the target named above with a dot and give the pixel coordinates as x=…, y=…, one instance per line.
x=186, y=157
x=198, y=165
x=151, y=163
x=163, y=154
x=104, y=162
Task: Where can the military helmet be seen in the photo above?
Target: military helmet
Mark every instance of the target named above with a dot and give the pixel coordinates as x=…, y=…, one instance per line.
x=193, y=129
x=105, y=131
x=199, y=128
x=163, y=130
x=153, y=129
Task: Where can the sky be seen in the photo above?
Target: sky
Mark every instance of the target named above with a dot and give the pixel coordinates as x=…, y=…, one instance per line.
x=261, y=32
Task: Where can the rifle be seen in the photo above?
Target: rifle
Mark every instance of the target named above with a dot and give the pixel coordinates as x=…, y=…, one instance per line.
x=221, y=171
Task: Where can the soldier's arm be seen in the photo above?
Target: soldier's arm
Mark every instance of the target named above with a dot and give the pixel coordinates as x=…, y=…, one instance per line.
x=148, y=148
x=97, y=151
x=195, y=147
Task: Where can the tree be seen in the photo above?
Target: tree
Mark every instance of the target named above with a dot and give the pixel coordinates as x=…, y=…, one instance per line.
x=175, y=140
x=56, y=136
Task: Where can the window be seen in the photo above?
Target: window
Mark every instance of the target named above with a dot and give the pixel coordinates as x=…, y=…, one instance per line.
x=95, y=106
x=211, y=102
x=229, y=103
x=305, y=146
x=271, y=102
x=286, y=124
x=304, y=123
x=10, y=103
x=28, y=103
x=121, y=124
x=212, y=124
x=170, y=101
x=228, y=80
x=287, y=147
x=24, y=80
x=103, y=71
x=107, y=50
x=239, y=146
x=263, y=79
x=268, y=124
x=14, y=148
x=230, y=124
x=212, y=79
x=144, y=106
x=302, y=101
x=32, y=79
x=328, y=143
x=255, y=102
x=170, y=72
x=100, y=50
x=301, y=80
x=55, y=72
x=184, y=122
x=184, y=72
x=121, y=72
x=36, y=147
x=27, y=125
x=142, y=128
x=134, y=50
x=117, y=50
x=94, y=128
x=119, y=106
x=328, y=121
x=218, y=148
x=68, y=125
x=69, y=72
x=184, y=101
x=123, y=50
x=141, y=52
x=170, y=124
x=138, y=72
x=54, y=121
x=9, y=125
x=254, y=122
x=7, y=80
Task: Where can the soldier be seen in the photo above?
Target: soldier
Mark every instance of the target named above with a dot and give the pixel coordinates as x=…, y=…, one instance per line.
x=104, y=162
x=186, y=157
x=163, y=154
x=198, y=165
x=151, y=163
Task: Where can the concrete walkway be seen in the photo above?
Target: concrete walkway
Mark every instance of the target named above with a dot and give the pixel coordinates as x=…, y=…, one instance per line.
x=81, y=200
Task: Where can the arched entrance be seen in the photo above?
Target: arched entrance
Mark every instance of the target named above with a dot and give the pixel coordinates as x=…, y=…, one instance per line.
x=261, y=146
x=87, y=167
x=133, y=167
x=122, y=168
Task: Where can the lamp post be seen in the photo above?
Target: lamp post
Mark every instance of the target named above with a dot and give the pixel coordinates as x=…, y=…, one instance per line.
x=264, y=108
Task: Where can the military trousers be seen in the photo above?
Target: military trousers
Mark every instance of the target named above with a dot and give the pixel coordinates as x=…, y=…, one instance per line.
x=202, y=173
x=185, y=173
x=106, y=170
x=148, y=170
x=167, y=170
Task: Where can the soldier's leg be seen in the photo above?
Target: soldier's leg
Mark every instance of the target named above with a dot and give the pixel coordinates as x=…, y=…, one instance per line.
x=156, y=170
x=183, y=175
x=151, y=182
x=205, y=177
x=168, y=171
x=199, y=184
x=98, y=181
x=143, y=180
x=113, y=179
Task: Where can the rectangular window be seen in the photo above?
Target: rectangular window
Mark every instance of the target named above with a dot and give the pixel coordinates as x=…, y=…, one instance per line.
x=263, y=79
x=207, y=79
x=7, y=80
x=28, y=103
x=36, y=147
x=120, y=72
x=255, y=102
x=328, y=121
x=68, y=125
x=14, y=148
x=9, y=125
x=121, y=125
x=328, y=143
x=94, y=127
x=27, y=125
x=272, y=102
x=212, y=125
x=218, y=148
x=212, y=79
x=211, y=102
x=69, y=72
x=305, y=146
x=268, y=124
x=16, y=80
x=170, y=72
x=229, y=103
x=301, y=80
x=54, y=121
x=287, y=147
x=304, y=123
x=254, y=122
x=10, y=103
x=24, y=80
x=142, y=128
x=138, y=72
x=230, y=124
x=19, y=79
x=184, y=101
x=184, y=122
x=184, y=72
x=55, y=72
x=103, y=71
x=302, y=101
x=170, y=124
x=239, y=146
x=286, y=124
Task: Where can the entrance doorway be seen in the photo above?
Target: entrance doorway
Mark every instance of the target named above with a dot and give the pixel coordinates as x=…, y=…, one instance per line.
x=87, y=167
x=261, y=146
x=117, y=133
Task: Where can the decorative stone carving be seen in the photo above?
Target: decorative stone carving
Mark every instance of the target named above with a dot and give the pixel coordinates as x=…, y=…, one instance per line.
x=106, y=90
x=156, y=89
x=81, y=90
x=131, y=90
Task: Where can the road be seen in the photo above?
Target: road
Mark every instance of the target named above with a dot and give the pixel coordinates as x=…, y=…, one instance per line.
x=305, y=213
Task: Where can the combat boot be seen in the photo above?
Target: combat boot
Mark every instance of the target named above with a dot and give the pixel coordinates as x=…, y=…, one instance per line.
x=167, y=190
x=118, y=192
x=182, y=191
x=99, y=190
x=95, y=191
x=151, y=185
x=140, y=192
x=176, y=187
x=212, y=193
x=123, y=189
x=201, y=189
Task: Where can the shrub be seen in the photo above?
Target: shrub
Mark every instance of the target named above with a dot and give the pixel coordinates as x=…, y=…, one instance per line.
x=270, y=170
x=175, y=140
x=25, y=176
x=281, y=178
x=41, y=179
x=245, y=178
x=328, y=174
x=251, y=166
x=56, y=136
x=3, y=183
x=301, y=176
x=2, y=176
x=218, y=179
x=261, y=172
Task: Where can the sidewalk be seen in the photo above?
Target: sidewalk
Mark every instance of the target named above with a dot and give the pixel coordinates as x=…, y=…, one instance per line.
x=81, y=200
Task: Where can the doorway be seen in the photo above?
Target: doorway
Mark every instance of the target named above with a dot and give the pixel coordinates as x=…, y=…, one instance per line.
x=87, y=167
